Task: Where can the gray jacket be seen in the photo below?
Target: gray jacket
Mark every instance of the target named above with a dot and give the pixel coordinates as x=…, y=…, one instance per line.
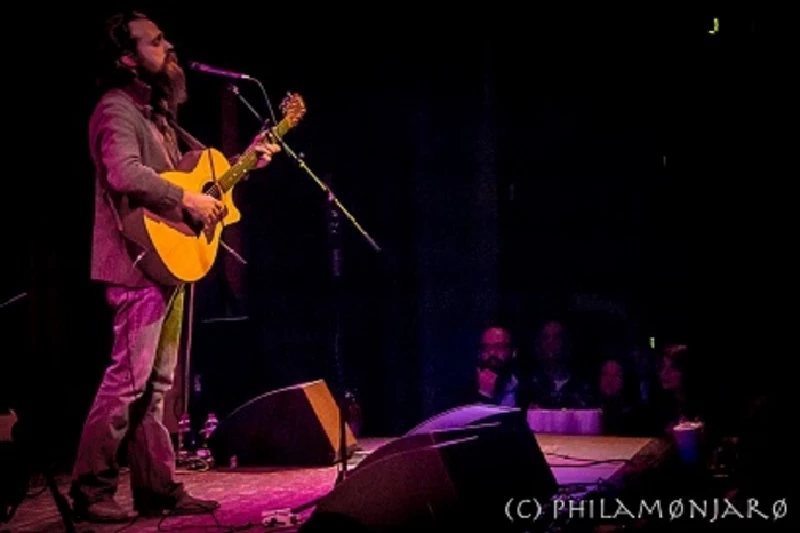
x=128, y=153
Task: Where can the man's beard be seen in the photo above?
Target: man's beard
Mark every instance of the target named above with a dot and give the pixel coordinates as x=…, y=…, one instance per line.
x=168, y=86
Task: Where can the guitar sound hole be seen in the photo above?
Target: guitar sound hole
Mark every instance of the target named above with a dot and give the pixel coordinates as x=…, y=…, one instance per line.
x=211, y=190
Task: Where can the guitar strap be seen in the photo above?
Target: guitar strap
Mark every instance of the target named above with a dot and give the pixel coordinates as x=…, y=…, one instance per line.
x=193, y=144
x=187, y=137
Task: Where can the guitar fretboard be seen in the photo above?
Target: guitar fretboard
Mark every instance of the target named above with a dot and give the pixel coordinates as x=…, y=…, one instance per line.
x=246, y=162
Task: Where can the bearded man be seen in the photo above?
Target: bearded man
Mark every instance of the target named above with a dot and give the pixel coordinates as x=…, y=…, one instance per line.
x=133, y=138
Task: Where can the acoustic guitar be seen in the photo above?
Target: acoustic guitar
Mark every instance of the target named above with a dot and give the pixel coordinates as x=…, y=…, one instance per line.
x=172, y=248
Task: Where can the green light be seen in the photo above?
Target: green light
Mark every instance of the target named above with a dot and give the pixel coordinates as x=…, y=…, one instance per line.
x=652, y=343
x=716, y=27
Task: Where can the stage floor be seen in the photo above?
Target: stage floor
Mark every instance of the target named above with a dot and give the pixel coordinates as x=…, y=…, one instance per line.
x=244, y=494
x=247, y=493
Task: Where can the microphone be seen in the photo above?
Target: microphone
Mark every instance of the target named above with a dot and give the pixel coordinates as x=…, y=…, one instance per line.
x=201, y=67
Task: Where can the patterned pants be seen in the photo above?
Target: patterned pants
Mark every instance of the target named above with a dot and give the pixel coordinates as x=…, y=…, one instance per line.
x=130, y=400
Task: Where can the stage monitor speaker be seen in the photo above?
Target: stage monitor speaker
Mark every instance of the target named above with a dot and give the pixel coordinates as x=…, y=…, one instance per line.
x=294, y=426
x=421, y=440
x=443, y=478
x=467, y=415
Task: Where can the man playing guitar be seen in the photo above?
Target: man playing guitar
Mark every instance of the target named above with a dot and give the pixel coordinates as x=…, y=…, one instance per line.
x=132, y=141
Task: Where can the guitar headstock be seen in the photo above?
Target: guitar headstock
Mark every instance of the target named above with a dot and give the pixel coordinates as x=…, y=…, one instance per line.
x=293, y=108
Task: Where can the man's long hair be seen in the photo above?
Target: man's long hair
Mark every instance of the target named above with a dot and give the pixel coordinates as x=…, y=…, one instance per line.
x=115, y=41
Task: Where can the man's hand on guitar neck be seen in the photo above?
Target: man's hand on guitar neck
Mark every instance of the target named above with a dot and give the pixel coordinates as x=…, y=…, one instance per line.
x=264, y=149
x=207, y=209
x=203, y=208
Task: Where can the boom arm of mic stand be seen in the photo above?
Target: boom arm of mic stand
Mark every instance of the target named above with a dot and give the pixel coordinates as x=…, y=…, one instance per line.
x=322, y=185
x=331, y=195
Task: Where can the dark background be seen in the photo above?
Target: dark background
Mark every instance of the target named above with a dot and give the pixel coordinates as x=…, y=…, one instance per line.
x=519, y=164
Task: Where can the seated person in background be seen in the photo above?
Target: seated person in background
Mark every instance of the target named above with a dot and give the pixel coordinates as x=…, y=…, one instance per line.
x=675, y=400
x=619, y=399
x=554, y=383
x=497, y=382
x=765, y=432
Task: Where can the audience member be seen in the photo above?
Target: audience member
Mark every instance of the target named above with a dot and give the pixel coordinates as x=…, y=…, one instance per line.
x=676, y=400
x=619, y=399
x=497, y=380
x=555, y=383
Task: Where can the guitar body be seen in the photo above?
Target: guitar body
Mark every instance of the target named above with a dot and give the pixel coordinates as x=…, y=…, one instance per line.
x=170, y=247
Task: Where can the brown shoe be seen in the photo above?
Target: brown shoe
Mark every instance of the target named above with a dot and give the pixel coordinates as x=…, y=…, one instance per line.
x=180, y=504
x=105, y=511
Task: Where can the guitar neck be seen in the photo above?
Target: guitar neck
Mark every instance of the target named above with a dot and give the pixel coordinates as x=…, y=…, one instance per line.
x=249, y=159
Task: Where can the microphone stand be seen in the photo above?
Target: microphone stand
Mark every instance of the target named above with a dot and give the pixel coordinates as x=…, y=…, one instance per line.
x=335, y=208
x=335, y=244
x=13, y=299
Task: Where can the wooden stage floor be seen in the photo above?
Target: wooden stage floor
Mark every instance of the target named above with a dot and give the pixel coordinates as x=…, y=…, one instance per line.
x=246, y=494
